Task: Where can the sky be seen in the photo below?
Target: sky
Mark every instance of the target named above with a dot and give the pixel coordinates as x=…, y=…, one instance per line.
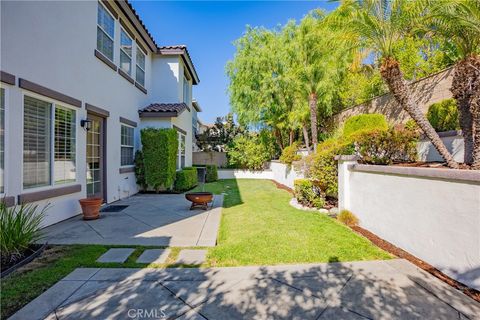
x=209, y=28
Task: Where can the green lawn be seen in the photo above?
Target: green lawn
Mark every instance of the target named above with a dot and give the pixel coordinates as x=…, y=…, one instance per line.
x=259, y=227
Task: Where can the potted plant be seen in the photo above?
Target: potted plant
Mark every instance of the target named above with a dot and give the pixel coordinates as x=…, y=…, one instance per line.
x=91, y=208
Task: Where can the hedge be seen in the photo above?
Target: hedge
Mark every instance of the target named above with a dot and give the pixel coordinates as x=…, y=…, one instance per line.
x=159, y=147
x=443, y=115
x=186, y=179
x=212, y=172
x=364, y=122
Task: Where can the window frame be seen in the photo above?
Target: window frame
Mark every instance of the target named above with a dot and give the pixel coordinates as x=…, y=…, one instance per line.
x=53, y=107
x=5, y=137
x=181, y=135
x=127, y=146
x=138, y=50
x=123, y=31
x=106, y=33
x=186, y=89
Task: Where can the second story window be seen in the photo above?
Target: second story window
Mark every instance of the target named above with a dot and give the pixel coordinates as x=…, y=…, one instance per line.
x=186, y=90
x=140, y=72
x=125, y=52
x=105, y=32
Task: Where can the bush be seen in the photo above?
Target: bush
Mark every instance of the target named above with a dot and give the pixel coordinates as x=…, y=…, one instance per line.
x=366, y=122
x=443, y=115
x=248, y=152
x=289, y=154
x=19, y=229
x=186, y=179
x=140, y=170
x=322, y=167
x=212, y=173
x=385, y=147
x=308, y=194
x=348, y=218
x=160, y=148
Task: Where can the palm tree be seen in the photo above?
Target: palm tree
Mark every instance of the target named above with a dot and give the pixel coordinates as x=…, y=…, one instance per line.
x=458, y=22
x=379, y=25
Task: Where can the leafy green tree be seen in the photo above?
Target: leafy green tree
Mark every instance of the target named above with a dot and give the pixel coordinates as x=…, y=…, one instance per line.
x=379, y=26
x=458, y=22
x=220, y=134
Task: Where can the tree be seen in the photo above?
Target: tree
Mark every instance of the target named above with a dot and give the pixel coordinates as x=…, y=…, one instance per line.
x=380, y=25
x=458, y=22
x=222, y=133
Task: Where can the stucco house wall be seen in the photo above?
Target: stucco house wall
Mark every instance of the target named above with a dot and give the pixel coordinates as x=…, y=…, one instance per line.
x=52, y=44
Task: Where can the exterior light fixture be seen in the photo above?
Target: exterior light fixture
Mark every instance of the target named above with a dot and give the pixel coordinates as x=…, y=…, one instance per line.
x=86, y=124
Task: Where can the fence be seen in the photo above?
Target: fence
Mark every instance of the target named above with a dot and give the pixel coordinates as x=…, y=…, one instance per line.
x=432, y=213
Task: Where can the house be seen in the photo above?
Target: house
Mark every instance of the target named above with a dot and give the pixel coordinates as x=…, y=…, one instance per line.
x=79, y=80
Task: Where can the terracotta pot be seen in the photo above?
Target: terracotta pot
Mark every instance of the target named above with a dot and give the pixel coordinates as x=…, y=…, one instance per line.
x=91, y=208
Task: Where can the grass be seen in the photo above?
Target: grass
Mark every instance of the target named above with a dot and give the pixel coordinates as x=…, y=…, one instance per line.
x=259, y=227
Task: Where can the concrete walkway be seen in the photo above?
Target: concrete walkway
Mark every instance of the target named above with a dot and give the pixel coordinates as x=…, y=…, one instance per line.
x=393, y=289
x=149, y=219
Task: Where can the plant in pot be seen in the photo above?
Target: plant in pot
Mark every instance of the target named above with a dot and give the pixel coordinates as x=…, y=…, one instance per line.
x=91, y=208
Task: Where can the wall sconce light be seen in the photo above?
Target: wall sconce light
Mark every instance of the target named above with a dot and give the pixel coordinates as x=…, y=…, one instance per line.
x=86, y=124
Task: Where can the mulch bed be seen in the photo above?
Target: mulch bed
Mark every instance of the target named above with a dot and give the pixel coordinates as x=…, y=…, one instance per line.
x=387, y=246
x=282, y=186
x=32, y=252
x=329, y=201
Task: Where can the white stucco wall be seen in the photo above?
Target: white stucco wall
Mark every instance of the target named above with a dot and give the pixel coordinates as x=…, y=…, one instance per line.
x=52, y=44
x=431, y=215
x=453, y=140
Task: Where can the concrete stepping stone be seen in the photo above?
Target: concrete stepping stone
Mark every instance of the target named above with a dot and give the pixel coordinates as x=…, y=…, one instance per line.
x=119, y=255
x=154, y=256
x=188, y=256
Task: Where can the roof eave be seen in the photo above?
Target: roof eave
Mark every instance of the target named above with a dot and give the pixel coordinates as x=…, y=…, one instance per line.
x=186, y=60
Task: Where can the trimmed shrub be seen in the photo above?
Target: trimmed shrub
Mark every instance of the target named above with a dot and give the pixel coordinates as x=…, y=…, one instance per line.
x=322, y=167
x=212, y=173
x=348, y=218
x=186, y=179
x=363, y=122
x=19, y=228
x=140, y=170
x=248, y=152
x=289, y=154
x=308, y=194
x=159, y=156
x=385, y=147
x=443, y=115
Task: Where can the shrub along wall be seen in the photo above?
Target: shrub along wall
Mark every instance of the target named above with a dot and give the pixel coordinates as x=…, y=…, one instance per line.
x=159, y=157
x=186, y=179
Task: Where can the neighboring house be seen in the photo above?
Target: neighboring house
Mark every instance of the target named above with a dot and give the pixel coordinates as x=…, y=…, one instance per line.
x=79, y=80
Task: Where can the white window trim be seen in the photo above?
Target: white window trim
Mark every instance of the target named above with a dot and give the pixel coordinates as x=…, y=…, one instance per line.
x=54, y=102
x=137, y=48
x=5, y=143
x=179, y=150
x=106, y=33
x=127, y=146
x=121, y=49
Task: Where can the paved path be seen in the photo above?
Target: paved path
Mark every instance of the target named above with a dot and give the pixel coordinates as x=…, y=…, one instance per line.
x=393, y=289
x=156, y=220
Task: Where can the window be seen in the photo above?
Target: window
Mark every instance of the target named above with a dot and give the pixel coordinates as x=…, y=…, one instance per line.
x=126, y=146
x=65, y=128
x=181, y=151
x=105, y=32
x=39, y=134
x=2, y=139
x=125, y=52
x=140, y=72
x=186, y=90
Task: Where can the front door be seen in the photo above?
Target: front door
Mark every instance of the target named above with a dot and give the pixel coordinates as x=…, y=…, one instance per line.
x=95, y=157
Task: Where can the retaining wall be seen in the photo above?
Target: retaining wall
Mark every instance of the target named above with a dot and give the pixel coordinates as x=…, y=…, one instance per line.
x=433, y=214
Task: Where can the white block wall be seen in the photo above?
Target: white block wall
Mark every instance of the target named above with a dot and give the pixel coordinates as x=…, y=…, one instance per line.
x=433, y=214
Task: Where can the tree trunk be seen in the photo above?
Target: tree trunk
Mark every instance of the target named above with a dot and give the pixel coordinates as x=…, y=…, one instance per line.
x=305, y=136
x=466, y=80
x=278, y=136
x=391, y=73
x=312, y=103
x=291, y=137
x=475, y=109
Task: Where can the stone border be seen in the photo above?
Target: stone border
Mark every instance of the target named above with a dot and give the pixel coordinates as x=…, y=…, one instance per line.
x=449, y=174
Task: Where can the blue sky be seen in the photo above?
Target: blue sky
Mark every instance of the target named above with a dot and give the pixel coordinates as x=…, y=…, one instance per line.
x=208, y=29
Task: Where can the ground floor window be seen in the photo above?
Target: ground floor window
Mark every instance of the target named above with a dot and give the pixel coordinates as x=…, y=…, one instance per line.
x=46, y=127
x=181, y=151
x=2, y=139
x=126, y=146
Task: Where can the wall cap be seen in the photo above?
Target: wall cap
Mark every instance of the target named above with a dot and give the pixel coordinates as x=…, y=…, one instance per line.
x=447, y=174
x=347, y=158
